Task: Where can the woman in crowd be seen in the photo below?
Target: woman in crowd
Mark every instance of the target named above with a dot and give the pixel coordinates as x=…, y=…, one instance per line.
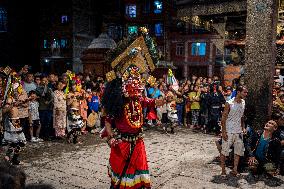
x=59, y=111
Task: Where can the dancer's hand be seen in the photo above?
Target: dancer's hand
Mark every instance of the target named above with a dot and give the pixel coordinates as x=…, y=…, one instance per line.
x=114, y=142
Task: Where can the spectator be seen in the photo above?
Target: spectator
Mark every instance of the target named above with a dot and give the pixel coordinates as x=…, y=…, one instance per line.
x=45, y=95
x=228, y=93
x=59, y=111
x=94, y=103
x=75, y=123
x=13, y=132
x=37, y=79
x=216, y=102
x=154, y=92
x=52, y=81
x=23, y=106
x=264, y=152
x=204, y=106
x=29, y=84
x=34, y=117
x=172, y=114
x=194, y=98
x=232, y=129
x=12, y=177
x=179, y=105
x=280, y=134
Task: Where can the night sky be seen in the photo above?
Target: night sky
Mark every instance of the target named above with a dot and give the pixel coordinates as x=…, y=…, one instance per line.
x=19, y=45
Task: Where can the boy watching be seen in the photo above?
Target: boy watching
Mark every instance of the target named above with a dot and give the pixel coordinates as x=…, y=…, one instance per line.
x=34, y=117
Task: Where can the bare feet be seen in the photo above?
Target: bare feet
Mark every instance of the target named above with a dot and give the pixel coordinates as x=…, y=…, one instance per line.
x=234, y=173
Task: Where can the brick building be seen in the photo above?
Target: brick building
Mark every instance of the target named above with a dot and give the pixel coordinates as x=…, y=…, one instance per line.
x=129, y=15
x=66, y=29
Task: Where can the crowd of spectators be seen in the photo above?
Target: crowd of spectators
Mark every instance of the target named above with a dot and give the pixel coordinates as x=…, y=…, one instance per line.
x=50, y=106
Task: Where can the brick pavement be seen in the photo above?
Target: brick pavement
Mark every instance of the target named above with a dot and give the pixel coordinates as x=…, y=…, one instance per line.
x=175, y=161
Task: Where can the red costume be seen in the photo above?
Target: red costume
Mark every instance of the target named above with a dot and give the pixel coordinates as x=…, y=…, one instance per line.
x=152, y=115
x=128, y=168
x=137, y=173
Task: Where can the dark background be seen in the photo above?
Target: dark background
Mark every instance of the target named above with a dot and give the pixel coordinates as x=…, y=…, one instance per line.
x=19, y=45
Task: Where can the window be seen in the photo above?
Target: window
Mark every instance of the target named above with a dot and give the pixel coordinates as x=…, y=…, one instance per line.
x=3, y=20
x=130, y=11
x=132, y=29
x=159, y=29
x=63, y=43
x=115, y=32
x=198, y=49
x=158, y=7
x=64, y=19
x=45, y=44
x=55, y=44
x=180, y=49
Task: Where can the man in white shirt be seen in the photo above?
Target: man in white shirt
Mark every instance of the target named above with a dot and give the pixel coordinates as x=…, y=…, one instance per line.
x=232, y=128
x=29, y=84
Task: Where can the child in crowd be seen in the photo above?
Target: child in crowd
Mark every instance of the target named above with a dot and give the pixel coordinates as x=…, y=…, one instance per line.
x=151, y=115
x=171, y=114
x=74, y=123
x=94, y=111
x=13, y=132
x=94, y=102
x=161, y=109
x=34, y=119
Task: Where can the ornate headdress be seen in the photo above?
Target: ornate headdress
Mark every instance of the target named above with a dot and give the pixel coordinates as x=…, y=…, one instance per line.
x=141, y=53
x=131, y=61
x=136, y=54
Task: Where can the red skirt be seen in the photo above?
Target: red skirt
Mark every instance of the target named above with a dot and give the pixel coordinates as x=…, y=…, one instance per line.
x=152, y=114
x=137, y=174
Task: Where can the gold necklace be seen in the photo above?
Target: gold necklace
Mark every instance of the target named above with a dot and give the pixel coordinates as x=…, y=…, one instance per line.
x=133, y=114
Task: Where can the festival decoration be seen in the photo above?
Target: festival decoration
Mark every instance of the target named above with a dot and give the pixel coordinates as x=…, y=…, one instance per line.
x=11, y=81
x=136, y=53
x=70, y=76
x=151, y=80
x=133, y=114
x=110, y=76
x=142, y=40
x=7, y=70
x=171, y=80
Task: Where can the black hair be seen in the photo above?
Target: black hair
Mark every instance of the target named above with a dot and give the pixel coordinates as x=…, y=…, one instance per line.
x=240, y=88
x=32, y=92
x=276, y=116
x=11, y=177
x=113, y=99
